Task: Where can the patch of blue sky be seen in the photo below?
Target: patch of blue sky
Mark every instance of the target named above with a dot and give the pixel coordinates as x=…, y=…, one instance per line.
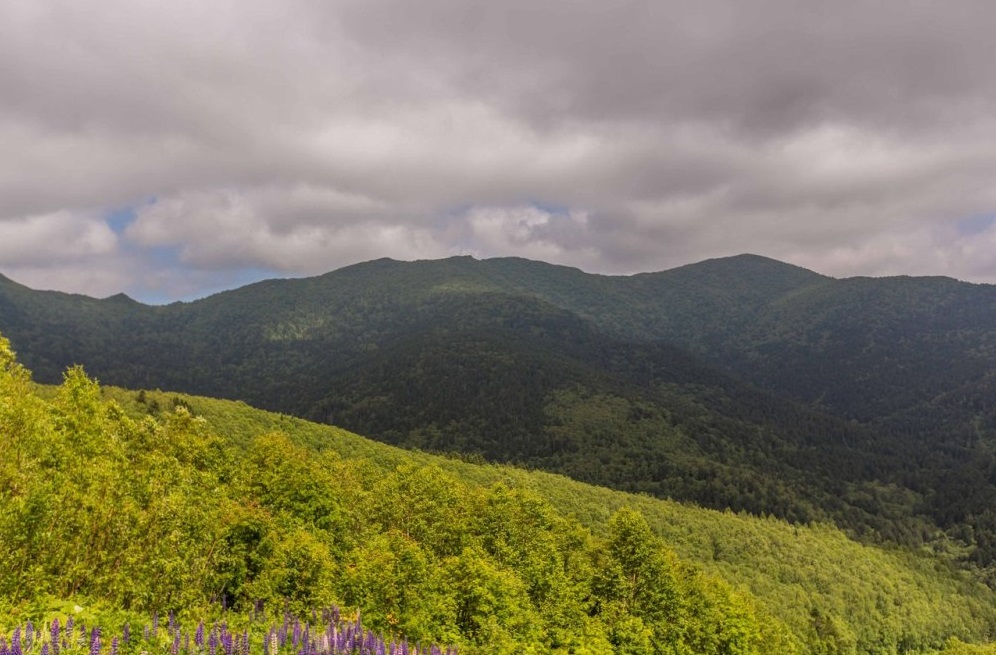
x=461, y=210
x=551, y=208
x=187, y=284
x=179, y=281
x=119, y=219
x=977, y=224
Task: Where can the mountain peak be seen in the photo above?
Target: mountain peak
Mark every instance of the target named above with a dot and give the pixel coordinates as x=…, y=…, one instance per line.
x=121, y=299
x=745, y=276
x=749, y=262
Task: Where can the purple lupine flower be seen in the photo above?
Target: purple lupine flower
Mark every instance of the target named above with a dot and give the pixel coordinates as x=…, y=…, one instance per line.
x=29, y=635
x=54, y=631
x=95, y=641
x=146, y=632
x=213, y=642
x=67, y=634
x=15, y=642
x=172, y=627
x=174, y=648
x=199, y=635
x=126, y=633
x=114, y=646
x=44, y=649
x=245, y=643
x=155, y=624
x=3, y=647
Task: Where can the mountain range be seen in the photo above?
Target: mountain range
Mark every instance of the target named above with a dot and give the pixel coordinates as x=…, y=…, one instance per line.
x=741, y=383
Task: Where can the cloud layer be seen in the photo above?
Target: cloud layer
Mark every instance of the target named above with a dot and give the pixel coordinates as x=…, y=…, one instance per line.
x=171, y=149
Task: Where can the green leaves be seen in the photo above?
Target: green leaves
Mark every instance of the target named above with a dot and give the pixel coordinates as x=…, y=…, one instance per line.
x=158, y=513
x=161, y=512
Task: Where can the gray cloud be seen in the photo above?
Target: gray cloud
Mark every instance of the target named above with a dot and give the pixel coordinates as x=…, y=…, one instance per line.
x=294, y=137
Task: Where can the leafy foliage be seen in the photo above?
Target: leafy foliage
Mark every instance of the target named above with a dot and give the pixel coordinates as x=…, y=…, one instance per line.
x=162, y=514
x=822, y=586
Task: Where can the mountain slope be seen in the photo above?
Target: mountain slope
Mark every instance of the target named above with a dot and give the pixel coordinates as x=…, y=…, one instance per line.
x=823, y=585
x=161, y=514
x=138, y=505
x=555, y=368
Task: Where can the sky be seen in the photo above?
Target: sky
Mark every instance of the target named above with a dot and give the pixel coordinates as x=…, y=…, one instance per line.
x=170, y=150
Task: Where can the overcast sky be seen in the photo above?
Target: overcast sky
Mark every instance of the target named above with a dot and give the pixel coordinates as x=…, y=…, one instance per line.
x=173, y=149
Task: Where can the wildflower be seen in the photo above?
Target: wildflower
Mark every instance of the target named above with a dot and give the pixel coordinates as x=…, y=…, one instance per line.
x=54, y=631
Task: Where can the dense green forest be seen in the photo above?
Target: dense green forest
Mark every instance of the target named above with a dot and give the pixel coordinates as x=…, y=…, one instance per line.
x=739, y=383
x=162, y=514
x=138, y=502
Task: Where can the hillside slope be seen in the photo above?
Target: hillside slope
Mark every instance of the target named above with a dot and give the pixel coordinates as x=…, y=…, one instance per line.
x=822, y=584
x=642, y=382
x=162, y=515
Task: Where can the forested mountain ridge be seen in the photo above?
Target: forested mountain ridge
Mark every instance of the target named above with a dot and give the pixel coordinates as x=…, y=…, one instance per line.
x=642, y=382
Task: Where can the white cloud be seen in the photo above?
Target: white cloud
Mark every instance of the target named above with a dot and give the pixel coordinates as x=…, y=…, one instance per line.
x=297, y=230
x=531, y=232
x=54, y=238
x=298, y=136
x=65, y=251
